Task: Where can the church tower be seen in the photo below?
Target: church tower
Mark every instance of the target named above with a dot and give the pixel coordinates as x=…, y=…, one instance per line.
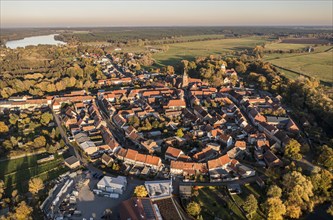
x=185, y=79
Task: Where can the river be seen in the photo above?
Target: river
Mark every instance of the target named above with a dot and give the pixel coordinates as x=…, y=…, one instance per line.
x=43, y=39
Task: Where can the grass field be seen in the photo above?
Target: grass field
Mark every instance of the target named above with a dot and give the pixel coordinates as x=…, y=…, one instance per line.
x=318, y=65
x=215, y=204
x=285, y=46
x=17, y=172
x=247, y=190
x=191, y=50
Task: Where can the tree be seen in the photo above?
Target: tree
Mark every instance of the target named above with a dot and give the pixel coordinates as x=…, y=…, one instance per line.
x=274, y=191
x=3, y=127
x=140, y=191
x=250, y=205
x=326, y=157
x=292, y=150
x=2, y=188
x=40, y=142
x=322, y=183
x=35, y=185
x=22, y=211
x=179, y=132
x=193, y=208
x=275, y=209
x=46, y=118
x=330, y=210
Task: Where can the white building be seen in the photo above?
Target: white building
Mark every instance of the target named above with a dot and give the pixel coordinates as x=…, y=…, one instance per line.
x=112, y=184
x=159, y=188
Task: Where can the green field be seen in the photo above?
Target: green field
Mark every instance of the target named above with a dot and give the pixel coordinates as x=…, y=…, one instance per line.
x=318, y=65
x=247, y=190
x=191, y=50
x=285, y=46
x=214, y=204
x=17, y=172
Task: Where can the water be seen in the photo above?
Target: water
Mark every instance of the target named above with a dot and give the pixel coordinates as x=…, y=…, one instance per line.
x=44, y=39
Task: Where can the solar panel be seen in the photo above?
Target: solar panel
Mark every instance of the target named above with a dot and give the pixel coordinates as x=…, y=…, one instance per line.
x=148, y=209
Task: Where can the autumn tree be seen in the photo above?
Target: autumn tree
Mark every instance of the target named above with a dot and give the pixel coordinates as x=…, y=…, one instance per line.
x=275, y=208
x=140, y=191
x=326, y=157
x=2, y=188
x=179, y=132
x=322, y=184
x=292, y=150
x=274, y=191
x=40, y=142
x=22, y=211
x=3, y=127
x=250, y=205
x=193, y=208
x=46, y=118
x=35, y=185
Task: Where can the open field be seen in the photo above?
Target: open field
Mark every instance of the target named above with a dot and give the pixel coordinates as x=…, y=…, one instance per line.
x=215, y=204
x=318, y=65
x=190, y=50
x=17, y=172
x=285, y=46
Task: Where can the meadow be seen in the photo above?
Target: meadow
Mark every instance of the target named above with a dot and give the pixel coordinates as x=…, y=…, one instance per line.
x=17, y=172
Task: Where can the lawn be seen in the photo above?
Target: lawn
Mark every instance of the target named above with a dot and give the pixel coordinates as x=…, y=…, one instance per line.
x=17, y=172
x=215, y=204
x=247, y=190
x=318, y=65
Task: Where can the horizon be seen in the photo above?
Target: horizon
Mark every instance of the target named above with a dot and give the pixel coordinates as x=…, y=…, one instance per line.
x=64, y=14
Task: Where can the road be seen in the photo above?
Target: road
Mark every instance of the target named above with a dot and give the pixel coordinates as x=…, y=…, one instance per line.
x=64, y=136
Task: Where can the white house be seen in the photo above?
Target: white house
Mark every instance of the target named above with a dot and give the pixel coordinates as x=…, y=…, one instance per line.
x=113, y=184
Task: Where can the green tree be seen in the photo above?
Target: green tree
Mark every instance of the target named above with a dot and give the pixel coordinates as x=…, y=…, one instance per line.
x=326, y=157
x=292, y=150
x=322, y=184
x=193, y=208
x=3, y=127
x=140, y=191
x=330, y=210
x=179, y=132
x=46, y=118
x=250, y=205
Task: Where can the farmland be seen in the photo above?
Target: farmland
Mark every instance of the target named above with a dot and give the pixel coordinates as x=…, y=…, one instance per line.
x=17, y=172
x=191, y=50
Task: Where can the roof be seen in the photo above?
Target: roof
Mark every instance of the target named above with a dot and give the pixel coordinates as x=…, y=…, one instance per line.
x=114, y=182
x=219, y=162
x=137, y=208
x=173, y=152
x=176, y=103
x=71, y=160
x=160, y=188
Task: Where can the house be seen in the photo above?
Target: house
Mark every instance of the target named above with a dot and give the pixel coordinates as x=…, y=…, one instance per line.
x=106, y=159
x=226, y=139
x=214, y=146
x=113, y=184
x=187, y=168
x=176, y=104
x=150, y=145
x=137, y=208
x=119, y=120
x=271, y=159
x=173, y=153
x=88, y=147
x=218, y=168
x=72, y=162
x=159, y=189
x=256, y=117
x=204, y=155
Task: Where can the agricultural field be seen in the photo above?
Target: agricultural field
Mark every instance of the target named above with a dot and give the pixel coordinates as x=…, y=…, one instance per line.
x=318, y=65
x=191, y=50
x=285, y=46
x=17, y=172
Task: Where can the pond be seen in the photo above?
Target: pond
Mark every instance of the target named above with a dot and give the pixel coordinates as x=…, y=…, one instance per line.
x=44, y=39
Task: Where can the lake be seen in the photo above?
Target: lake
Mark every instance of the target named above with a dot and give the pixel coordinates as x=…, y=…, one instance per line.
x=44, y=39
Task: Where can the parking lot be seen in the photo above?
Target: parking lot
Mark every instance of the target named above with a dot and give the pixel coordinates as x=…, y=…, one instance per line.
x=93, y=206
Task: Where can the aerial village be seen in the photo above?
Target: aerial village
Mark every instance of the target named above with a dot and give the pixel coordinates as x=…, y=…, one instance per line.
x=165, y=135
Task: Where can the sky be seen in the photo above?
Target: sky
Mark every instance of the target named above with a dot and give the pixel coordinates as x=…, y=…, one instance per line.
x=89, y=13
